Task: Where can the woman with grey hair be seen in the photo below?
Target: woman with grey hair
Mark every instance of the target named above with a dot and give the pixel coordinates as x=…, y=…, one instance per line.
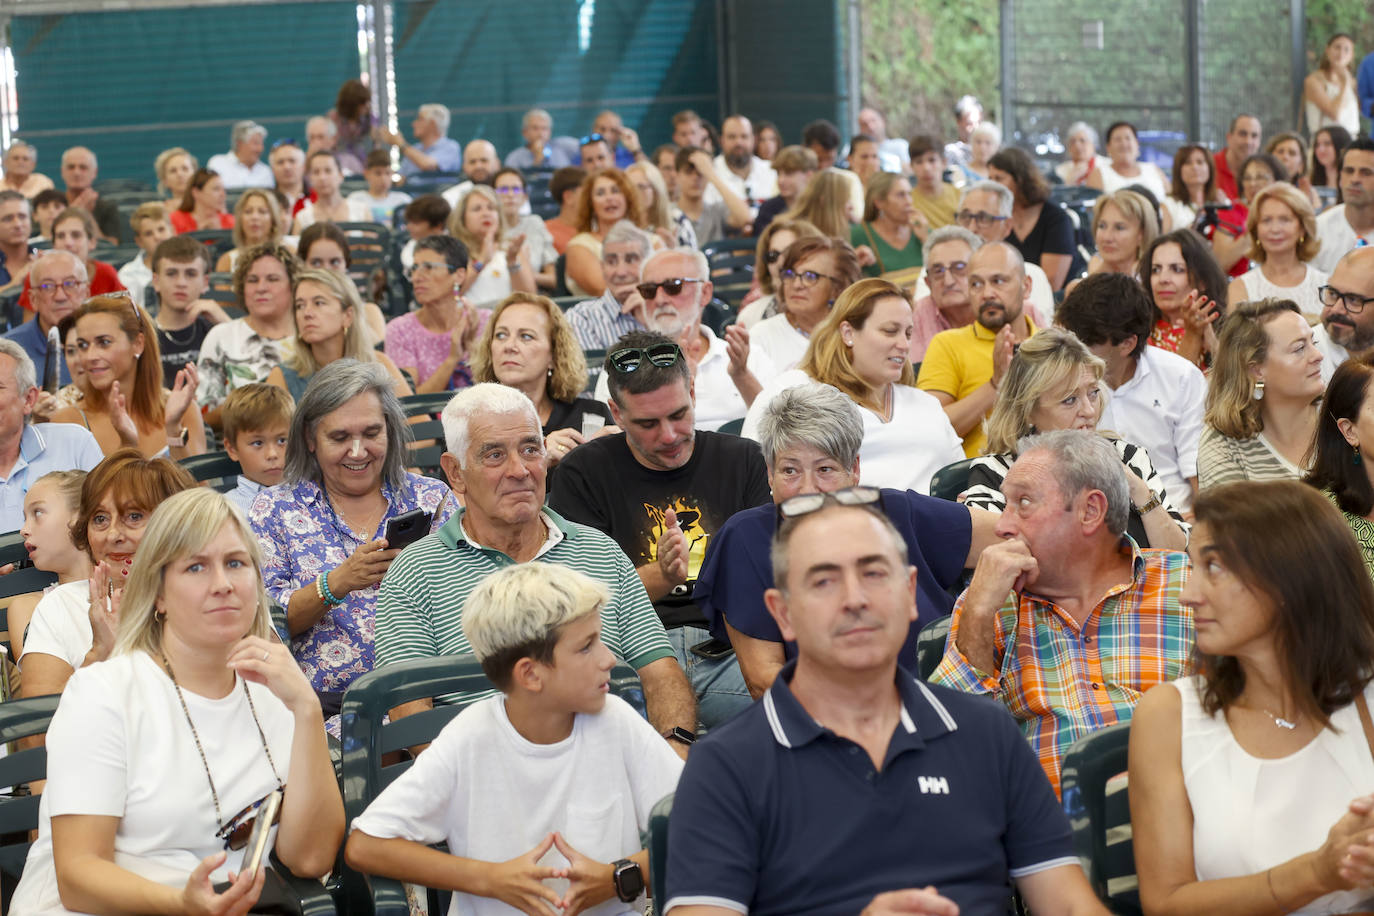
x=811, y=435
x=1082, y=149
x=321, y=530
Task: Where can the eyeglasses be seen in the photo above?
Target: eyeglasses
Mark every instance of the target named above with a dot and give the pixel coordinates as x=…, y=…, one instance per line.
x=671, y=287
x=982, y=219
x=958, y=269
x=591, y=138
x=774, y=254
x=629, y=359
x=235, y=834
x=284, y=141
x=807, y=503
x=1353, y=302
x=428, y=267
x=69, y=287
x=806, y=278
x=509, y=190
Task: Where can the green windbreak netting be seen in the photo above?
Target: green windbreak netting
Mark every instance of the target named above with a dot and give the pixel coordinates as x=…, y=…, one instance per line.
x=130, y=84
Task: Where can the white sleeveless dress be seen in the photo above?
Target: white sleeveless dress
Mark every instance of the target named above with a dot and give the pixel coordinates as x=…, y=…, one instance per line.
x=1258, y=286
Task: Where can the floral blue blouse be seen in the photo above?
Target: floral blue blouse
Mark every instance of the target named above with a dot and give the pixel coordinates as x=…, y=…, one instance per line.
x=301, y=537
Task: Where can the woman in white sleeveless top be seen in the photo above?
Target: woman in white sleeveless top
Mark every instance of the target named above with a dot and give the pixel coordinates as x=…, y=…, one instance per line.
x=1124, y=168
x=1248, y=781
x=1282, y=229
x=1329, y=91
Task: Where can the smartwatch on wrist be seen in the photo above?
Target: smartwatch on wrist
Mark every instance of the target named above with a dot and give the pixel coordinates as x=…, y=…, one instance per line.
x=678, y=733
x=180, y=439
x=628, y=879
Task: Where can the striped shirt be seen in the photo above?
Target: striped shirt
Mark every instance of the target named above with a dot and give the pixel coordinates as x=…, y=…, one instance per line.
x=599, y=323
x=420, y=609
x=1061, y=681
x=1221, y=459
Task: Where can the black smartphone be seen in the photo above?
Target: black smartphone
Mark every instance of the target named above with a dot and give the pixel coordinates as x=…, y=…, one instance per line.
x=713, y=649
x=404, y=530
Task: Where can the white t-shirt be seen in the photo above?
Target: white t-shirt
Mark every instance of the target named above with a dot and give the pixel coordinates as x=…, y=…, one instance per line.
x=783, y=343
x=1337, y=237
x=235, y=174
x=358, y=212
x=61, y=624
x=492, y=795
x=903, y=453
x=759, y=185
x=383, y=208
x=1160, y=409
x=119, y=746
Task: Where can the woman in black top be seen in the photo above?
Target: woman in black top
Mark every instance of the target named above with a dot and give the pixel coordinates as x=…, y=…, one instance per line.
x=528, y=344
x=1040, y=229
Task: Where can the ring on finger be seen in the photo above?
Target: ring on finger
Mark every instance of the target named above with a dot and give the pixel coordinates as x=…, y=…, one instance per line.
x=266, y=655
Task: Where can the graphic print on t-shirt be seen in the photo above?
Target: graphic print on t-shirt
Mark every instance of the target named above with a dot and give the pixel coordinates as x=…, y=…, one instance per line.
x=689, y=519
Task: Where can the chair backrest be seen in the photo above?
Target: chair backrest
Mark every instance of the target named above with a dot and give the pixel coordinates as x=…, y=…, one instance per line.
x=19, y=813
x=596, y=363
x=658, y=849
x=214, y=468
x=930, y=646
x=728, y=247
x=1098, y=805
x=21, y=581
x=217, y=240
x=951, y=480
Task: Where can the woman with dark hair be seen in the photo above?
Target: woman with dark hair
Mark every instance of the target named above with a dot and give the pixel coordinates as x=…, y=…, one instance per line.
x=607, y=197
x=774, y=241
x=433, y=343
x=1329, y=92
x=1343, y=453
x=1124, y=166
x=1188, y=292
x=767, y=140
x=814, y=273
x=352, y=117
x=1040, y=229
x=1192, y=187
x=323, y=246
x=322, y=528
x=890, y=236
x=1327, y=146
x=1250, y=779
x=1290, y=149
x=202, y=205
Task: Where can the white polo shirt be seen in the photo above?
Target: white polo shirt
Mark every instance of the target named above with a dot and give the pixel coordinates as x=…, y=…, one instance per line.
x=1333, y=354
x=1337, y=237
x=1160, y=409
x=235, y=174
x=759, y=185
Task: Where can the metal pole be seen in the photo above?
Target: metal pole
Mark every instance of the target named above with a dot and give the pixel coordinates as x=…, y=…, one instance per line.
x=1192, y=98
x=1297, y=16
x=854, y=67
x=1007, y=54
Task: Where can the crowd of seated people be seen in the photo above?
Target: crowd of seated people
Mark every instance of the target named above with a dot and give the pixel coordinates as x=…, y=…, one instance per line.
x=1114, y=462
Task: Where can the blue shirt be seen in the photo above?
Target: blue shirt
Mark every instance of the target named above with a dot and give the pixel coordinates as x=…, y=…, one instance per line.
x=739, y=567
x=599, y=323
x=555, y=157
x=775, y=813
x=35, y=343
x=447, y=154
x=5, y=276
x=1364, y=88
x=43, y=448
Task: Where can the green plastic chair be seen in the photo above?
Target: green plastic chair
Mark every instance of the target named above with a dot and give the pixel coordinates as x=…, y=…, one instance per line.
x=930, y=646
x=951, y=480
x=424, y=459
x=215, y=468
x=732, y=427
x=658, y=850
x=367, y=740
x=1099, y=811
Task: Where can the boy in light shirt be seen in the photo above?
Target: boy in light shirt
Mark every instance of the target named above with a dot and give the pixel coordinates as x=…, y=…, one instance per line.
x=151, y=227
x=381, y=195
x=257, y=419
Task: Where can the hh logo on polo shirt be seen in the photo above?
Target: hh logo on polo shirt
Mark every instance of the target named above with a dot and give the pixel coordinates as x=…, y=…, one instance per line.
x=933, y=785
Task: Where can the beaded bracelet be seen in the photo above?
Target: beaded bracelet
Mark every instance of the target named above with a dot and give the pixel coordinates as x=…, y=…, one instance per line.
x=322, y=589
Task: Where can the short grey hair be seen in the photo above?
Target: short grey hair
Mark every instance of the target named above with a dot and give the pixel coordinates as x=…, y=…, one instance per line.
x=329, y=125
x=1081, y=127
x=25, y=375
x=527, y=603
x=18, y=143
x=626, y=231
x=1085, y=460
x=331, y=388
x=949, y=233
x=782, y=538
x=438, y=114
x=55, y=254
x=813, y=414
x=95, y=162
x=703, y=267
x=486, y=398
x=242, y=130
x=535, y=113
x=1005, y=199
x=987, y=129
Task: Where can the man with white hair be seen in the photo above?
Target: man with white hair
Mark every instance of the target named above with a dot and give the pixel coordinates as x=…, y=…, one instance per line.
x=495, y=462
x=892, y=151
x=320, y=134
x=21, y=160
x=541, y=150
x=27, y=452
x=79, y=171
x=242, y=166
x=727, y=373
x=599, y=323
x=985, y=210
x=433, y=150
x=57, y=285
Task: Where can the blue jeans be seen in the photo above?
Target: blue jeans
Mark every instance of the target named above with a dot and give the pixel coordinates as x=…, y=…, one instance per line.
x=717, y=683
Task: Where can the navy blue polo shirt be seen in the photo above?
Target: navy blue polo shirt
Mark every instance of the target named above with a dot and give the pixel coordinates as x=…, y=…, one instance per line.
x=774, y=813
x=738, y=567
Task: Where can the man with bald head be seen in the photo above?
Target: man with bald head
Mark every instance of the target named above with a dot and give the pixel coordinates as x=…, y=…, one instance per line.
x=964, y=366
x=892, y=151
x=1347, y=318
x=79, y=169
x=433, y=150
x=58, y=284
x=751, y=178
x=480, y=166
x=541, y=149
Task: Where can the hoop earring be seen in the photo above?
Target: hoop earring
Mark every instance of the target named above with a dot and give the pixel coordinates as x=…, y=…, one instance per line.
x=1259, y=390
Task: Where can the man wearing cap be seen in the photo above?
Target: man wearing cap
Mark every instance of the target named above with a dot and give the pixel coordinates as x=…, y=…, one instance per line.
x=243, y=167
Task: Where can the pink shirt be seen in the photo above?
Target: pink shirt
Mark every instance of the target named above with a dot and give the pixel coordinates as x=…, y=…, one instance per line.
x=928, y=321
x=413, y=346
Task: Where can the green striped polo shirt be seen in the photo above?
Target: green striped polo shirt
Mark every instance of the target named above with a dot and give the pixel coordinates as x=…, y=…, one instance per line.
x=420, y=608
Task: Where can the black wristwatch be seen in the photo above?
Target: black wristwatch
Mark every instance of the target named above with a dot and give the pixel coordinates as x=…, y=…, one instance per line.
x=629, y=880
x=678, y=733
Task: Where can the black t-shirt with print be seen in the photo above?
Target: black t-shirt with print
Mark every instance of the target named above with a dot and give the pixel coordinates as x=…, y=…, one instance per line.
x=602, y=485
x=181, y=347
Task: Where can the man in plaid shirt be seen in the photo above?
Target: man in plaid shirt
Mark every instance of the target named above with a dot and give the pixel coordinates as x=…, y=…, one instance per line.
x=1067, y=621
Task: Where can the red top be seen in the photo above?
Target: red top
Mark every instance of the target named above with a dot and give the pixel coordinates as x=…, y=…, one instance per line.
x=184, y=222
x=104, y=280
x=1226, y=180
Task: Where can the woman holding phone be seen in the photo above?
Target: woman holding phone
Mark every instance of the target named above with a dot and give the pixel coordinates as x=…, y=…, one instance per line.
x=160, y=757
x=322, y=530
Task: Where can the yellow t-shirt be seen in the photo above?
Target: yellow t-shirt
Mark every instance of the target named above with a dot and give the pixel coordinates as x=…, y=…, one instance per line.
x=957, y=362
x=938, y=210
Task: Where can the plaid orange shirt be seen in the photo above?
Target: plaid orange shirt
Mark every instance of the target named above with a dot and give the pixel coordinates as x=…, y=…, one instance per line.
x=1061, y=681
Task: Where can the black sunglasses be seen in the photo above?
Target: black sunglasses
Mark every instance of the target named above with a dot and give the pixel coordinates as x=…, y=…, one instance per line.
x=628, y=359
x=807, y=503
x=671, y=287
x=774, y=254
x=590, y=138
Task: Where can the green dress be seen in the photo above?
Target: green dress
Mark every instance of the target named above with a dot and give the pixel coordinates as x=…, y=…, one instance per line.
x=1363, y=529
x=889, y=258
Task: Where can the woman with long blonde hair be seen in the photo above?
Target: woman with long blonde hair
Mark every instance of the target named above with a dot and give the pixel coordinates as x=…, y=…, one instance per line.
x=824, y=203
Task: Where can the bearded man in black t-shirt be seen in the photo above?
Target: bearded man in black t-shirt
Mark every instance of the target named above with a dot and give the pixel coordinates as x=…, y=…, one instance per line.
x=662, y=489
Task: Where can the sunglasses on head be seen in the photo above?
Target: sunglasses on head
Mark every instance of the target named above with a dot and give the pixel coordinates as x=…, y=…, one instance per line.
x=628, y=359
x=807, y=503
x=671, y=287
x=284, y=141
x=590, y=138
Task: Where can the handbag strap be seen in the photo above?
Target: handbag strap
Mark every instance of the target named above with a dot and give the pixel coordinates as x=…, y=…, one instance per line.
x=1365, y=722
x=869, y=232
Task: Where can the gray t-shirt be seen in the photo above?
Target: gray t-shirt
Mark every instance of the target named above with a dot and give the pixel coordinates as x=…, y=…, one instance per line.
x=711, y=226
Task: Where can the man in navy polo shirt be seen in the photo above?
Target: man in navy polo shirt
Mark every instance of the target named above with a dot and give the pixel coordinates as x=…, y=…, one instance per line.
x=852, y=785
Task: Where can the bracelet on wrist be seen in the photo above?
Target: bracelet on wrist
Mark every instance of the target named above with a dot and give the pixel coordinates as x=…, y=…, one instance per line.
x=322, y=589
x=1150, y=506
